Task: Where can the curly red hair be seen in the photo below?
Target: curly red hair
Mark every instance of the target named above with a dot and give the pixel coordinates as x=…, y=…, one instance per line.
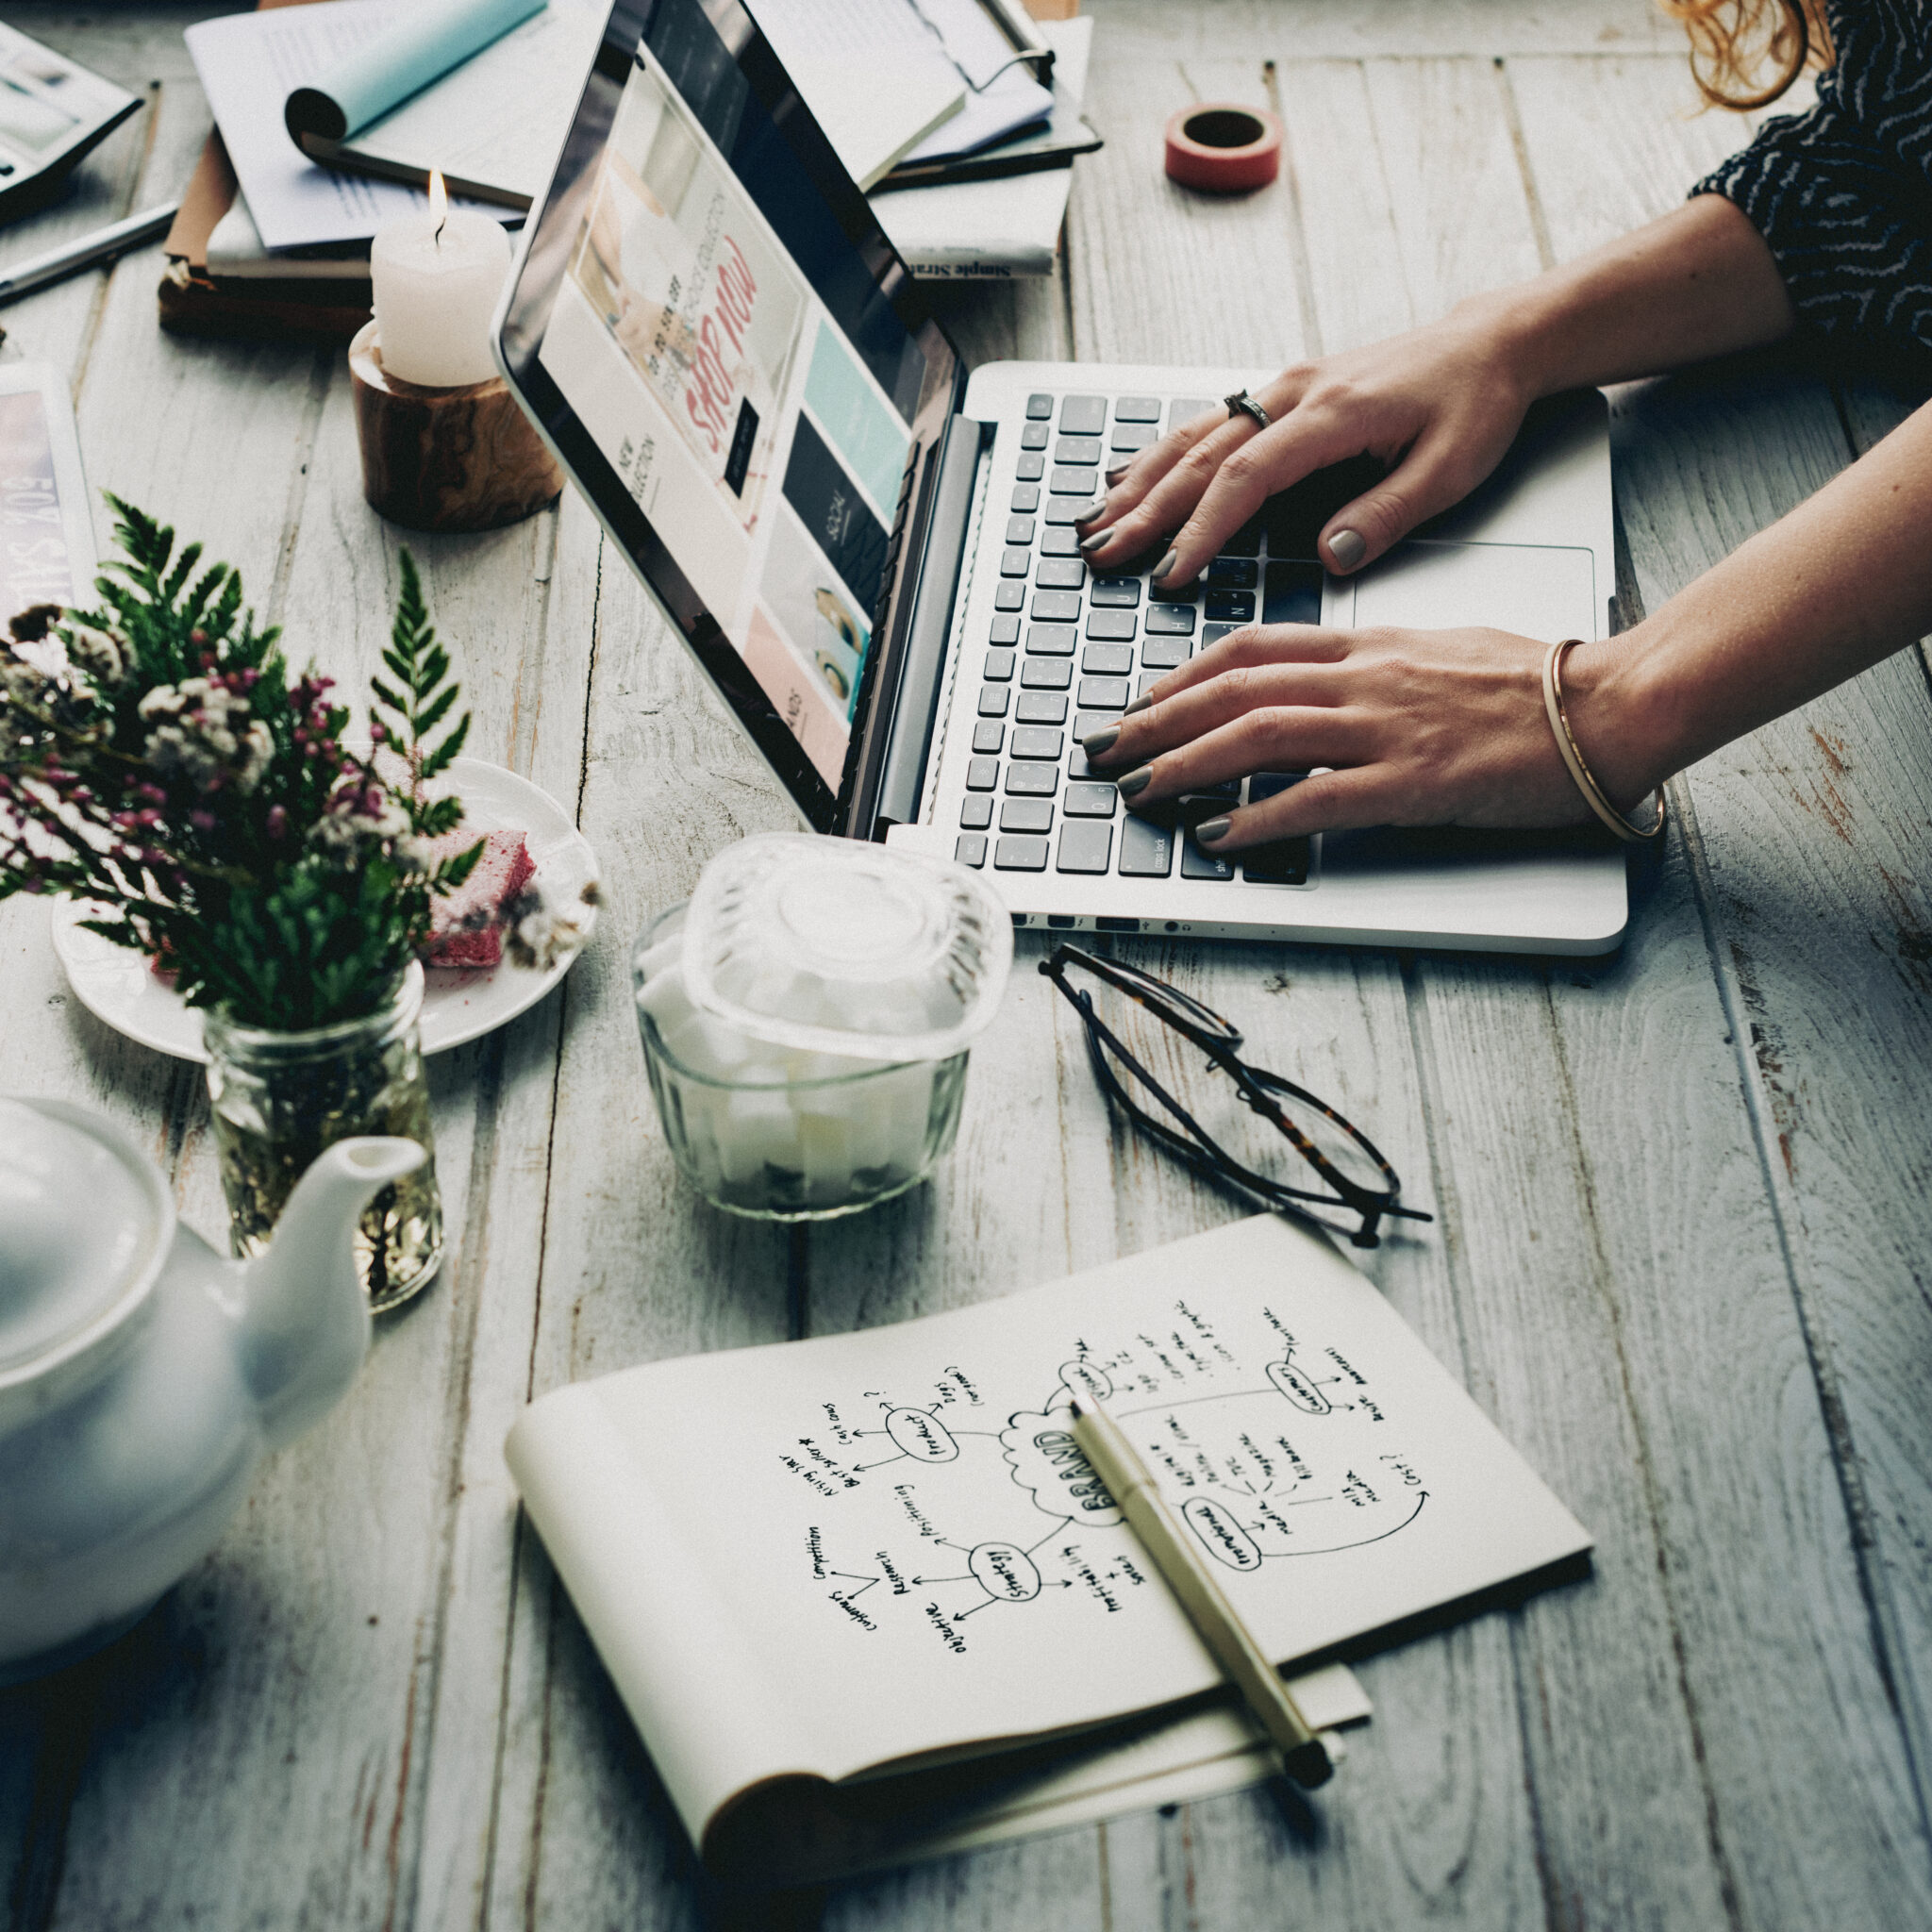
x=1734, y=42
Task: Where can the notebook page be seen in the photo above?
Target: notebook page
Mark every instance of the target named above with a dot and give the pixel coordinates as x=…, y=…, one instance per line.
x=501, y=116
x=901, y=1515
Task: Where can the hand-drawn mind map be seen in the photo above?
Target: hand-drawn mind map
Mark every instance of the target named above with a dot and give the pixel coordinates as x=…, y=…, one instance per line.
x=1296, y=1459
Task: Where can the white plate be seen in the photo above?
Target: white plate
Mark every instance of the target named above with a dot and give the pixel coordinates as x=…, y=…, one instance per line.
x=115, y=985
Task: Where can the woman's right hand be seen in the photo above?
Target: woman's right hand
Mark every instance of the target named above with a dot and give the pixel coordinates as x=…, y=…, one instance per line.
x=1437, y=407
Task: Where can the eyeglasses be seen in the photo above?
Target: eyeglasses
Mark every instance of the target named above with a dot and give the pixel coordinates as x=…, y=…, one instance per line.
x=1129, y=1084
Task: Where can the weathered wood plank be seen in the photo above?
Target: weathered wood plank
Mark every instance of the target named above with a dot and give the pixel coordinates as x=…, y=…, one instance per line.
x=1458, y=247
x=1809, y=831
x=1212, y=276
x=256, y=1753
x=1355, y=29
x=1754, y=1531
x=1337, y=1022
x=335, y=1587
x=634, y=1267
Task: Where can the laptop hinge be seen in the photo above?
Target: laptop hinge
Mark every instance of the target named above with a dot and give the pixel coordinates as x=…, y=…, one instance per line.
x=916, y=701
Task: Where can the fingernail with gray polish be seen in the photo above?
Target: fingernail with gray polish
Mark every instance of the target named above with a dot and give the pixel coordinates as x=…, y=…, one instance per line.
x=1211, y=831
x=1134, y=783
x=1099, y=540
x=1089, y=511
x=1139, y=705
x=1115, y=474
x=1348, y=548
x=1158, y=574
x=1096, y=744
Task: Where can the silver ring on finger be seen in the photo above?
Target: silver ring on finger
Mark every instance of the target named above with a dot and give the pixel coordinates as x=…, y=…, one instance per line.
x=1243, y=404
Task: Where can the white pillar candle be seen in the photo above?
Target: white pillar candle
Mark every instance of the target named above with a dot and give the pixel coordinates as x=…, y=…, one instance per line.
x=437, y=277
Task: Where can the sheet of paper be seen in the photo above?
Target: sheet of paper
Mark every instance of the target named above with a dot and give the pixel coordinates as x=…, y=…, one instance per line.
x=876, y=78
x=248, y=64
x=904, y=1509
x=1201, y=1755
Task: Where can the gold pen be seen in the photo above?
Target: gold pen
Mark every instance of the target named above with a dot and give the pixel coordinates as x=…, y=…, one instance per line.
x=1305, y=1752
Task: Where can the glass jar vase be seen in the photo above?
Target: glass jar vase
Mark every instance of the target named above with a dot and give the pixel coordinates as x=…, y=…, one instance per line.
x=280, y=1098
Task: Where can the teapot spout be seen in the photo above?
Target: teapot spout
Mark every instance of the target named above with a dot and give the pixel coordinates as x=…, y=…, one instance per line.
x=305, y=1318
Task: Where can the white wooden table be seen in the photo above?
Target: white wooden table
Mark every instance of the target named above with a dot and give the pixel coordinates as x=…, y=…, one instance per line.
x=1682, y=1252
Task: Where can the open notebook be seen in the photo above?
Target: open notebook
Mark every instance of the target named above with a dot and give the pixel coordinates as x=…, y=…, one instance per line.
x=863, y=1595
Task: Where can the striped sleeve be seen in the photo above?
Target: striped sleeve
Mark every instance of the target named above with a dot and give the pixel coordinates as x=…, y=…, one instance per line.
x=1850, y=230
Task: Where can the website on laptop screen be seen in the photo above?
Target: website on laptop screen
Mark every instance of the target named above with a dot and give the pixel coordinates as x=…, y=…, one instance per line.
x=729, y=350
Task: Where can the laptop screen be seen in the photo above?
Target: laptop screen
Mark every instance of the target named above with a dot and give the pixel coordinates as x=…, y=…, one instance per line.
x=713, y=329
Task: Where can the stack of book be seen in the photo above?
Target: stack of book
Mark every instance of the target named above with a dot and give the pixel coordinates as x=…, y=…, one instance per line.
x=274, y=231
x=964, y=130
x=969, y=174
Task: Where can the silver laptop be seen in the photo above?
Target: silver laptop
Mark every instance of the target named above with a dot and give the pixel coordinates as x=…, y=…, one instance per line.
x=872, y=557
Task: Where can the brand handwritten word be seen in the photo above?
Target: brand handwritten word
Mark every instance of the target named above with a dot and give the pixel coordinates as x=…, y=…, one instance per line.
x=721, y=334
x=1084, y=1490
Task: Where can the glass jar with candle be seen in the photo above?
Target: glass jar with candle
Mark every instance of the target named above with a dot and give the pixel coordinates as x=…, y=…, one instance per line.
x=805, y=1021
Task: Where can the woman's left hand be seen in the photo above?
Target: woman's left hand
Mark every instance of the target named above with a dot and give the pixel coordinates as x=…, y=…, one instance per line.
x=1414, y=729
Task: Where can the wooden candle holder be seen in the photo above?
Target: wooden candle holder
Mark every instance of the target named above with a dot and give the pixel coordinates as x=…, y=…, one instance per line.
x=445, y=458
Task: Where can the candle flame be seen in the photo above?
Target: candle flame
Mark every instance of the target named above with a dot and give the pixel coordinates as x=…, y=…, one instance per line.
x=439, y=200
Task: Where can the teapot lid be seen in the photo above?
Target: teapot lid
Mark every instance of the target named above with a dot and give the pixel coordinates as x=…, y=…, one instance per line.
x=81, y=1217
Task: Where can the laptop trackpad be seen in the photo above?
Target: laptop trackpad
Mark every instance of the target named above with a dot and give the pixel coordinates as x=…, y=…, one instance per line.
x=1538, y=592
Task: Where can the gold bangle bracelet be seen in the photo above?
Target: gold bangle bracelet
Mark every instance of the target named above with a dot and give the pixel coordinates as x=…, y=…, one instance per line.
x=1626, y=828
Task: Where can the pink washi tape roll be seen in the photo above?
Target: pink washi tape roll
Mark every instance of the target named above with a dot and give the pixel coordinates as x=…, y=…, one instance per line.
x=1224, y=147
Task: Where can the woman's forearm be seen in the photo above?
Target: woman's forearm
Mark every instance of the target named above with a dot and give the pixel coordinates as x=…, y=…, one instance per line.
x=1842, y=581
x=1700, y=282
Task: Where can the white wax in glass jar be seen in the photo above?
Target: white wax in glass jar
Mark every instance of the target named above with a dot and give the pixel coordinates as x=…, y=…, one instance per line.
x=795, y=1120
x=436, y=279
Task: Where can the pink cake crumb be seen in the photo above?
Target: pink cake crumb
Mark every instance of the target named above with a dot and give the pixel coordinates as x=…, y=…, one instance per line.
x=466, y=926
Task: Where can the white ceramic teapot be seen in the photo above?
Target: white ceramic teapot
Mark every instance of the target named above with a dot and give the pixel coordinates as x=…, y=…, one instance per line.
x=142, y=1375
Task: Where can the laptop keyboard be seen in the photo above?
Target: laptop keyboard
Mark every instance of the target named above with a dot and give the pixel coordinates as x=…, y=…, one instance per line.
x=1068, y=651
